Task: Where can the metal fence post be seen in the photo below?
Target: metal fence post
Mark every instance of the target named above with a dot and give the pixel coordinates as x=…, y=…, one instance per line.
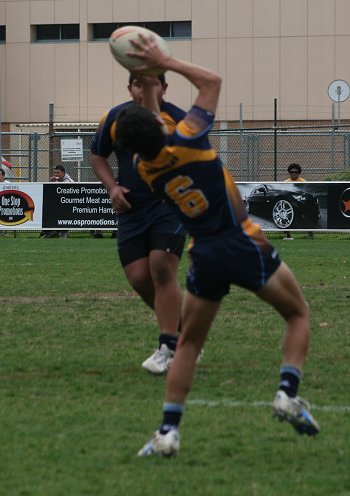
x=51, y=139
x=241, y=140
x=275, y=142
x=347, y=152
x=36, y=139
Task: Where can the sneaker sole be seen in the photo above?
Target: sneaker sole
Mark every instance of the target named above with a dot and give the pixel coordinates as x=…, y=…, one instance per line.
x=308, y=429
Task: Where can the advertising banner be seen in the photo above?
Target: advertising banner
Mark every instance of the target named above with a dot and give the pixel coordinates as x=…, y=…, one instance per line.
x=77, y=206
x=21, y=206
x=36, y=206
x=317, y=206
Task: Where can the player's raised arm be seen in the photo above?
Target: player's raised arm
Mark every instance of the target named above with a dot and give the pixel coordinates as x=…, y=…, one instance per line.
x=206, y=81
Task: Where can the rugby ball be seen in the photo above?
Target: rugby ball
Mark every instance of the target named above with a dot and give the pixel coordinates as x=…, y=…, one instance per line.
x=119, y=44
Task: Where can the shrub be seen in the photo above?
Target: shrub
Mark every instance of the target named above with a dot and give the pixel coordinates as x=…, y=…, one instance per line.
x=339, y=176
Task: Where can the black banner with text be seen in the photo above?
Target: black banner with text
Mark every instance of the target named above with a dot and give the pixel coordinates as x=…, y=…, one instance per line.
x=317, y=206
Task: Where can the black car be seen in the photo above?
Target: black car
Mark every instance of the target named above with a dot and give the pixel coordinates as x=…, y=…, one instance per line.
x=285, y=208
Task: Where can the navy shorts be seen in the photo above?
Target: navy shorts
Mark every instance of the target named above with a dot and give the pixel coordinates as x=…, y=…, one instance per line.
x=140, y=246
x=233, y=258
x=155, y=216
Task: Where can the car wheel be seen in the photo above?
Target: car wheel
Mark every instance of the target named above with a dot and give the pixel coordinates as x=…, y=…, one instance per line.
x=283, y=214
x=246, y=204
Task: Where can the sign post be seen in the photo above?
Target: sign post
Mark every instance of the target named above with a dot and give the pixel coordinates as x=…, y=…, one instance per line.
x=338, y=91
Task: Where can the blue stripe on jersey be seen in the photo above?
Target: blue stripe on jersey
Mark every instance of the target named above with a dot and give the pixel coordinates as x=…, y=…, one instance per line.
x=179, y=229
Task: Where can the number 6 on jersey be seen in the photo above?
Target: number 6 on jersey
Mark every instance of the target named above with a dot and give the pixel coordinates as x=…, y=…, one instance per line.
x=191, y=202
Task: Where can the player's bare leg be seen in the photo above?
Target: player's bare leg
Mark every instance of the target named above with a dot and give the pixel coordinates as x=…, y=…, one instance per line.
x=167, y=292
x=197, y=317
x=167, y=305
x=154, y=278
x=283, y=293
x=139, y=277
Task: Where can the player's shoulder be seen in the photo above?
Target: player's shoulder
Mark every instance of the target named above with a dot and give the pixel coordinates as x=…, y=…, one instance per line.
x=108, y=119
x=196, y=125
x=114, y=111
x=173, y=110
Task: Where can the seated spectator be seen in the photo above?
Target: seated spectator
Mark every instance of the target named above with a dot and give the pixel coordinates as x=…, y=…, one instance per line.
x=60, y=175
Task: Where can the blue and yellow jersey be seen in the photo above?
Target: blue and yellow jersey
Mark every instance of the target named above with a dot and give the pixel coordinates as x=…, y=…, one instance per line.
x=104, y=144
x=201, y=190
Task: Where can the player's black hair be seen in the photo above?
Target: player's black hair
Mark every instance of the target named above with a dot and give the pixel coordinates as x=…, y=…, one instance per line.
x=2, y=172
x=160, y=77
x=294, y=166
x=140, y=132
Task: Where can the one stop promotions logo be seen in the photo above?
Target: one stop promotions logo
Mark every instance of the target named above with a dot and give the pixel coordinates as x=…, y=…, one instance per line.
x=344, y=203
x=16, y=207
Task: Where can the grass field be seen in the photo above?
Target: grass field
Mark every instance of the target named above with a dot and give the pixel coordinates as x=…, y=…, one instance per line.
x=75, y=405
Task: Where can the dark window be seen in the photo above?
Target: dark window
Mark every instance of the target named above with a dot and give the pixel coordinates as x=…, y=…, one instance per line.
x=2, y=34
x=48, y=32
x=174, y=29
x=104, y=30
x=57, y=32
x=161, y=28
x=181, y=29
x=70, y=31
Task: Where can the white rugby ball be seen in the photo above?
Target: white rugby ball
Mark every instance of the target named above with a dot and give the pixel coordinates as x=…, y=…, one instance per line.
x=119, y=44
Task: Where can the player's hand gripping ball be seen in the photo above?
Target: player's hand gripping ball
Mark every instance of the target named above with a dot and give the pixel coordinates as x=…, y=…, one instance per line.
x=119, y=43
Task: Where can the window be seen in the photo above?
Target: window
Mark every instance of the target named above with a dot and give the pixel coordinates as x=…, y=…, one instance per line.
x=174, y=29
x=161, y=28
x=181, y=29
x=57, y=32
x=2, y=34
x=103, y=31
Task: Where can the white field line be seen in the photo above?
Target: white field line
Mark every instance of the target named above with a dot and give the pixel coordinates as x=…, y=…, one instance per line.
x=260, y=404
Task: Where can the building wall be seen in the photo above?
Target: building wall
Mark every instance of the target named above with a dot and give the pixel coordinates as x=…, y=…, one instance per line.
x=264, y=49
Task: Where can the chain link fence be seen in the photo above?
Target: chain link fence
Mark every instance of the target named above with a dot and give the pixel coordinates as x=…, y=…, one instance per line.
x=250, y=154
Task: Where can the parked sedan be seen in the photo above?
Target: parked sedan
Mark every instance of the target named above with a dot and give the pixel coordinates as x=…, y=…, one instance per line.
x=285, y=208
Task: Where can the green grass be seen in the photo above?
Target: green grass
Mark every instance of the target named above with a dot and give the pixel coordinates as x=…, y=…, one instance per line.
x=75, y=405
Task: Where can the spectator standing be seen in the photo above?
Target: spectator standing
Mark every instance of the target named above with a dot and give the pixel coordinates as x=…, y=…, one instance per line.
x=294, y=171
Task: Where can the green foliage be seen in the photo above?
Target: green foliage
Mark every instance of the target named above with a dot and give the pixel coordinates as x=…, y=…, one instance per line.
x=75, y=405
x=339, y=176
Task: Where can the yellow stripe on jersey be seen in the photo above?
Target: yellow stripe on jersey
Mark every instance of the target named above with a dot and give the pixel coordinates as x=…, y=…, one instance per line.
x=169, y=122
x=171, y=158
x=102, y=121
x=113, y=131
x=185, y=130
x=253, y=230
x=233, y=193
x=249, y=227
